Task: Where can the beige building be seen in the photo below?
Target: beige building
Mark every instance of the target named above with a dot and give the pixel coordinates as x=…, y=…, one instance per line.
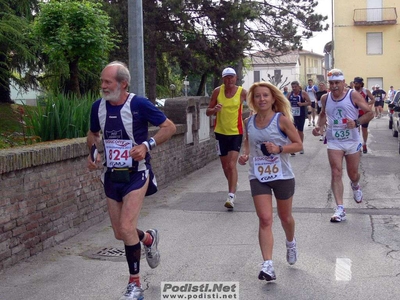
x=311, y=67
x=366, y=39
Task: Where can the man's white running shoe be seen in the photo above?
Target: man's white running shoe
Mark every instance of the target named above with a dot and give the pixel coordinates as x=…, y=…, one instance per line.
x=133, y=292
x=152, y=253
x=339, y=215
x=230, y=202
x=357, y=193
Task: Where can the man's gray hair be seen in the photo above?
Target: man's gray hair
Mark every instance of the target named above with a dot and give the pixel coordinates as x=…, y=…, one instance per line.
x=122, y=72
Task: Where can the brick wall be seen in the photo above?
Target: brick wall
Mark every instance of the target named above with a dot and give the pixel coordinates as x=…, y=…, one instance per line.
x=47, y=195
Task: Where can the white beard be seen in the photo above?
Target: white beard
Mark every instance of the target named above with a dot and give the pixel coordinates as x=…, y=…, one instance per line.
x=112, y=96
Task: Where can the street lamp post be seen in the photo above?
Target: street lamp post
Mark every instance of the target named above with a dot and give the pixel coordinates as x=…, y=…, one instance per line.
x=172, y=87
x=186, y=84
x=136, y=49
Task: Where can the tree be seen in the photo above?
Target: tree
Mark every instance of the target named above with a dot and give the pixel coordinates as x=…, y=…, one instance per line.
x=215, y=34
x=158, y=31
x=203, y=36
x=230, y=29
x=17, y=50
x=280, y=25
x=118, y=12
x=216, y=38
x=76, y=36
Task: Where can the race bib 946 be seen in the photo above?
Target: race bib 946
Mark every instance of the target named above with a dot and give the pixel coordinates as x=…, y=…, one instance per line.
x=268, y=168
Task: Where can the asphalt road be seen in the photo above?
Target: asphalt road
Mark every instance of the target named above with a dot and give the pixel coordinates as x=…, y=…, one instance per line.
x=200, y=241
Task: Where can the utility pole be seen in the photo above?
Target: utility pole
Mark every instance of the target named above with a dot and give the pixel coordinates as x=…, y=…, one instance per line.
x=136, y=48
x=239, y=71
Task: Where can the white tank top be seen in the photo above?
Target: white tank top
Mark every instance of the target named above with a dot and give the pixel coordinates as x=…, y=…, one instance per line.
x=338, y=111
x=258, y=161
x=311, y=93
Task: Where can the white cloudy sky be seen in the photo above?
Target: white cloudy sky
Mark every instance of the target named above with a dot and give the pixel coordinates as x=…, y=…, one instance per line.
x=317, y=43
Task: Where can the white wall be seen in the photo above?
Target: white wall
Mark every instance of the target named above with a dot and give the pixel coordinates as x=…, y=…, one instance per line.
x=291, y=72
x=22, y=97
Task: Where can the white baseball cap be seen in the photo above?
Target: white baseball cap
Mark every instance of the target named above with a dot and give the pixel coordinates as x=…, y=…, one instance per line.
x=228, y=71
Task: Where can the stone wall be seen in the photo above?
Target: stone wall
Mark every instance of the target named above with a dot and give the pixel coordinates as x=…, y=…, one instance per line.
x=47, y=195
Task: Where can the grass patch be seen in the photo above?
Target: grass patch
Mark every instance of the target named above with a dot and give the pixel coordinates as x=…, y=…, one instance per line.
x=60, y=117
x=56, y=117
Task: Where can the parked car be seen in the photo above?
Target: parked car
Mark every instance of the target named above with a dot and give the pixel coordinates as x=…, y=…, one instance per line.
x=394, y=116
x=160, y=102
x=396, y=123
x=391, y=107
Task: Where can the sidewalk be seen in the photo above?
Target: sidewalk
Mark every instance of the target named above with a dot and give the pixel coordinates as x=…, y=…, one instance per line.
x=201, y=241
x=74, y=270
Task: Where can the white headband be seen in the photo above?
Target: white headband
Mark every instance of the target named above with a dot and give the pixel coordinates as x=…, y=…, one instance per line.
x=336, y=77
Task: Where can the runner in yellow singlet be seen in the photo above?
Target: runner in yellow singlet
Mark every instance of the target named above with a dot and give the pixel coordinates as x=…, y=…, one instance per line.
x=227, y=104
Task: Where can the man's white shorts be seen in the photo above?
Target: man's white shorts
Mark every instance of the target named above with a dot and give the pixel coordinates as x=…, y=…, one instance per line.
x=347, y=147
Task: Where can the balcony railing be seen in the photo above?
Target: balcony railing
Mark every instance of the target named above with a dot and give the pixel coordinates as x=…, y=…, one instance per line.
x=375, y=16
